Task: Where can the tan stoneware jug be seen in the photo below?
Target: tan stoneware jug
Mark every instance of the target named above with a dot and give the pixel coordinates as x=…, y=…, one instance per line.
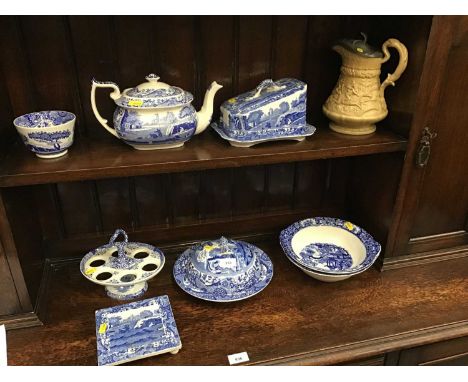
x=357, y=102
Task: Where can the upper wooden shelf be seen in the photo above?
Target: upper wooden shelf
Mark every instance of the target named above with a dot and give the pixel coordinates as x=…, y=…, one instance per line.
x=93, y=159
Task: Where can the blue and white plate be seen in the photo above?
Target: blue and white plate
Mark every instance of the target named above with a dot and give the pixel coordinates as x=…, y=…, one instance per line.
x=223, y=270
x=136, y=330
x=250, y=138
x=329, y=246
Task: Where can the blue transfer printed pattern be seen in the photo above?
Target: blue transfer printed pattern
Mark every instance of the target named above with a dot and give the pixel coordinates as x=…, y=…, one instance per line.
x=122, y=264
x=246, y=102
x=339, y=262
x=44, y=119
x=52, y=138
x=141, y=99
x=277, y=113
x=326, y=256
x=136, y=330
x=134, y=127
x=230, y=271
x=128, y=296
x=154, y=98
x=259, y=136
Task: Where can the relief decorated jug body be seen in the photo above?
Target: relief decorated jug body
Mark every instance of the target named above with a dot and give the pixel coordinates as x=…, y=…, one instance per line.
x=357, y=102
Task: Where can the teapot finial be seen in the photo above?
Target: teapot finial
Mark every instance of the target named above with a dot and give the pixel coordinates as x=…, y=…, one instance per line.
x=152, y=77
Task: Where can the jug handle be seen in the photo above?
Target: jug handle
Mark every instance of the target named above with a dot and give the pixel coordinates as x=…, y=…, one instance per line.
x=114, y=95
x=403, y=52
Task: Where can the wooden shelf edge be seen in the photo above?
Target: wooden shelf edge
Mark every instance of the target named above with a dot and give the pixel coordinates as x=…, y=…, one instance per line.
x=416, y=259
x=19, y=321
x=374, y=347
x=21, y=168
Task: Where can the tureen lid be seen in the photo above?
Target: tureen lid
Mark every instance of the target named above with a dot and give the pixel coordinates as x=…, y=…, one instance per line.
x=360, y=47
x=222, y=257
x=268, y=91
x=152, y=94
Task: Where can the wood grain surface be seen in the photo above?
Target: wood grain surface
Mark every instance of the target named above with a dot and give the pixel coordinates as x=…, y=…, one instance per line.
x=295, y=320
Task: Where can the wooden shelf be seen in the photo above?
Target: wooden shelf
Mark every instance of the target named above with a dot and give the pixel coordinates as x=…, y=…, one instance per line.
x=319, y=323
x=90, y=159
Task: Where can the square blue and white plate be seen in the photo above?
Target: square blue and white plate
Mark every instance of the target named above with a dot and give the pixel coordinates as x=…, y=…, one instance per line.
x=136, y=330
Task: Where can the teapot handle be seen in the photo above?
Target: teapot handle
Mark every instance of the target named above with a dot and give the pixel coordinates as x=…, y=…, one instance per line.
x=114, y=95
x=403, y=52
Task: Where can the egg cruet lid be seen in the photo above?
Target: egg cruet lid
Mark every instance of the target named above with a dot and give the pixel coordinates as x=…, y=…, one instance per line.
x=221, y=257
x=153, y=94
x=360, y=47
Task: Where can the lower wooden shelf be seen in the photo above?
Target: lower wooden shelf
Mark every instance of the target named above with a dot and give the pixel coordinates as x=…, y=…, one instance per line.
x=295, y=320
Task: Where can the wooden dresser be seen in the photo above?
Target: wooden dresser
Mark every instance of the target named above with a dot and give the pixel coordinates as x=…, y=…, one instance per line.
x=410, y=309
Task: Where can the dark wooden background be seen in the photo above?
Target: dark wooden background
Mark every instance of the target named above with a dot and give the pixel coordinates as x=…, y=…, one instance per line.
x=48, y=63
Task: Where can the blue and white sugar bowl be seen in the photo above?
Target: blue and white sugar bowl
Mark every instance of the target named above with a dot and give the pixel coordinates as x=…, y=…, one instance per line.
x=223, y=270
x=123, y=267
x=48, y=134
x=275, y=110
x=155, y=115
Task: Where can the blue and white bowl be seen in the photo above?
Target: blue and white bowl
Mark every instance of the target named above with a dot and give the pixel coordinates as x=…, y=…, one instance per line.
x=48, y=134
x=329, y=249
x=223, y=270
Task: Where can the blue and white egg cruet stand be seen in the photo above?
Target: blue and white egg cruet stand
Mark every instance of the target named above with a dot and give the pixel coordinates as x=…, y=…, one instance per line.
x=123, y=267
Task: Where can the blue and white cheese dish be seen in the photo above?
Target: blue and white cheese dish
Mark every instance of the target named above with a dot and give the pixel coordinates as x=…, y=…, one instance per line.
x=329, y=249
x=136, y=330
x=273, y=111
x=122, y=267
x=155, y=115
x=48, y=134
x=223, y=270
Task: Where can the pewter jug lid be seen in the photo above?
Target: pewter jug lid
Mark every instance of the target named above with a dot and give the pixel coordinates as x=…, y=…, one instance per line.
x=360, y=47
x=153, y=94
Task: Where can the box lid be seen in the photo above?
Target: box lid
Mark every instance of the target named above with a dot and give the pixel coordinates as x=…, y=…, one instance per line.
x=266, y=92
x=136, y=330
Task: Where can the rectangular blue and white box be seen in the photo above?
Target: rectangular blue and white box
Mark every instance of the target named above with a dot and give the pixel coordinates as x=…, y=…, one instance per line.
x=136, y=330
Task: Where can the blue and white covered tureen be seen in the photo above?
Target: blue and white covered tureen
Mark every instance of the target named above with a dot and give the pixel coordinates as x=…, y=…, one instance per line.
x=272, y=111
x=223, y=270
x=155, y=115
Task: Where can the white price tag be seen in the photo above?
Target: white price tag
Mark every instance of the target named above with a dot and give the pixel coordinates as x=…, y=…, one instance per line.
x=238, y=358
x=3, y=346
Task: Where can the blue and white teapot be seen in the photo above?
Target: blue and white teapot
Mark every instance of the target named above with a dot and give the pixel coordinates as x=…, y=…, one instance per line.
x=155, y=115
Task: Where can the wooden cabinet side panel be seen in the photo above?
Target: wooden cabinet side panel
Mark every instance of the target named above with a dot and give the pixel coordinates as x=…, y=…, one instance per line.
x=416, y=211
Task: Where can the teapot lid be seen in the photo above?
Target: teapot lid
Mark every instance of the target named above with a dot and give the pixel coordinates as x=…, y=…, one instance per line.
x=360, y=47
x=222, y=257
x=153, y=94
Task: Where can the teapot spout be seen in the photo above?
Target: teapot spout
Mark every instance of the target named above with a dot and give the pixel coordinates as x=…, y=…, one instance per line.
x=206, y=111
